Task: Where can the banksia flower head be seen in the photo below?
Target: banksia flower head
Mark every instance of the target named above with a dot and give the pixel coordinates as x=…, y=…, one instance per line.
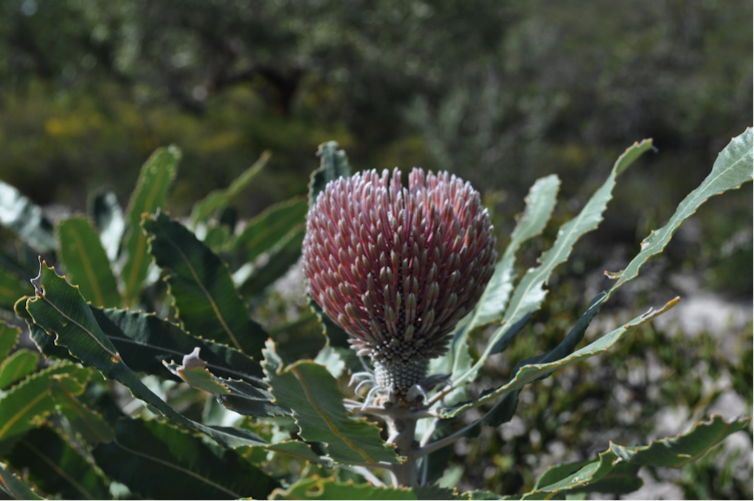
x=398, y=267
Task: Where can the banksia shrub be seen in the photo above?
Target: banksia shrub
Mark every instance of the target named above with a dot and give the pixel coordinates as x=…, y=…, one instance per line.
x=398, y=267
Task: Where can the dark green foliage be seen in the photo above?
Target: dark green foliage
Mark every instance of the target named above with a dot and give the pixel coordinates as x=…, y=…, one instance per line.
x=201, y=286
x=158, y=461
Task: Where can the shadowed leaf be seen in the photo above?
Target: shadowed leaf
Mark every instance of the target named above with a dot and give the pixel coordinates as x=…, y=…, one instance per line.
x=86, y=263
x=268, y=228
x=8, y=339
x=313, y=395
x=88, y=424
x=14, y=486
x=17, y=366
x=281, y=257
x=333, y=164
x=158, y=461
x=206, y=300
x=151, y=191
x=329, y=488
x=56, y=467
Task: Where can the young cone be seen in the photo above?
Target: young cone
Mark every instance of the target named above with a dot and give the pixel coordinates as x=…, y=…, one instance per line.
x=398, y=267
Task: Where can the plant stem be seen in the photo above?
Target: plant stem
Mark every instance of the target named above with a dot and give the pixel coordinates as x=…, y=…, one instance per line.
x=402, y=431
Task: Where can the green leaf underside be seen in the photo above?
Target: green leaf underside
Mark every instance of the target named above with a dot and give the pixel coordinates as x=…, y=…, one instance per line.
x=109, y=221
x=158, y=461
x=530, y=294
x=328, y=488
x=615, y=470
x=151, y=191
x=530, y=373
x=333, y=164
x=62, y=310
x=11, y=288
x=205, y=298
x=8, y=339
x=25, y=219
x=317, y=405
x=88, y=424
x=218, y=198
x=86, y=263
x=56, y=467
x=14, y=486
x=268, y=228
x=284, y=255
x=17, y=366
x=731, y=169
x=144, y=341
x=31, y=399
x=238, y=396
x=540, y=203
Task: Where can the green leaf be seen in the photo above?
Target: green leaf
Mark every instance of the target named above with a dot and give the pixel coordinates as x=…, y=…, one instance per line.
x=329, y=488
x=533, y=372
x=31, y=399
x=89, y=425
x=11, y=288
x=8, y=339
x=615, y=471
x=17, y=366
x=218, y=198
x=281, y=257
x=336, y=335
x=151, y=191
x=333, y=164
x=58, y=307
x=732, y=168
x=56, y=467
x=108, y=218
x=313, y=395
x=539, y=205
x=205, y=298
x=217, y=237
x=143, y=341
x=14, y=486
x=268, y=228
x=238, y=396
x=25, y=219
x=530, y=293
x=85, y=261
x=160, y=462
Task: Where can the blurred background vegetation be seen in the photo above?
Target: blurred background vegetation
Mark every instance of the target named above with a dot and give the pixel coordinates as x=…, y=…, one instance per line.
x=498, y=92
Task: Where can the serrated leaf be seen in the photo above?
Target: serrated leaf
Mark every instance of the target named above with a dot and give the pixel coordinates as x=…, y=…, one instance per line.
x=333, y=164
x=143, y=340
x=732, y=168
x=85, y=261
x=150, y=194
x=539, y=205
x=17, y=366
x=31, y=399
x=14, y=486
x=530, y=293
x=25, y=219
x=59, y=308
x=530, y=373
x=158, y=461
x=206, y=300
x=268, y=228
x=615, y=471
x=56, y=467
x=11, y=288
x=8, y=339
x=87, y=423
x=281, y=257
x=329, y=488
x=238, y=396
x=109, y=221
x=313, y=395
x=218, y=198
